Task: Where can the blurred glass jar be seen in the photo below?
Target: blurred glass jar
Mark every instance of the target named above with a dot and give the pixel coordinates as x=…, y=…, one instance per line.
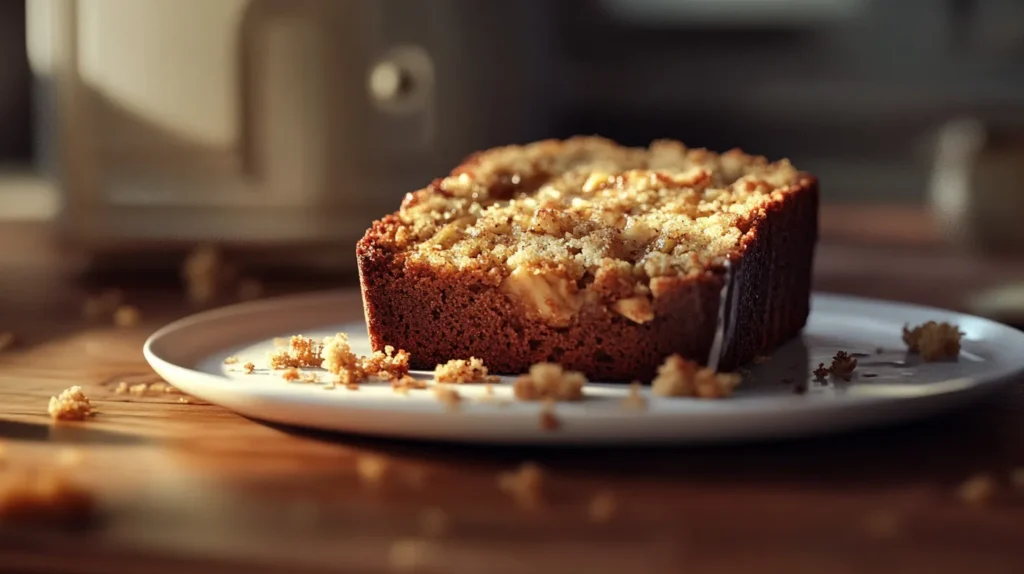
x=977, y=186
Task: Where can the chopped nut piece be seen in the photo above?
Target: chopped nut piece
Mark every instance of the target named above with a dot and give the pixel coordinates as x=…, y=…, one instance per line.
x=602, y=507
x=434, y=522
x=525, y=485
x=372, y=469
x=843, y=365
x=411, y=554
x=389, y=364
x=471, y=370
x=7, y=340
x=979, y=490
x=48, y=497
x=933, y=341
x=634, y=400
x=231, y=361
x=448, y=396
x=821, y=372
x=70, y=405
x=548, y=420
x=679, y=377
x=249, y=289
x=301, y=352
x=127, y=316
x=249, y=368
x=549, y=381
x=291, y=374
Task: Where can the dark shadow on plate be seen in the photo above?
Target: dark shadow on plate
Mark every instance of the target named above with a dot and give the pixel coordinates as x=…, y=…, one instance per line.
x=943, y=448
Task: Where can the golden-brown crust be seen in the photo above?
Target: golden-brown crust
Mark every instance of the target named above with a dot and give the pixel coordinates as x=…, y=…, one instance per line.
x=438, y=313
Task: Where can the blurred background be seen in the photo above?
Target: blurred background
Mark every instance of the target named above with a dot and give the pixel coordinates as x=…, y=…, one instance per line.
x=283, y=127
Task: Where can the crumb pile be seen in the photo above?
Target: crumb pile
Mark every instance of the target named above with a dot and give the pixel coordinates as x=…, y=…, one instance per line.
x=933, y=341
x=549, y=381
x=471, y=370
x=70, y=405
x=679, y=377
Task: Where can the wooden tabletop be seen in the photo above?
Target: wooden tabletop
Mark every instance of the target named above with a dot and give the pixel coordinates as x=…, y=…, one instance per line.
x=193, y=486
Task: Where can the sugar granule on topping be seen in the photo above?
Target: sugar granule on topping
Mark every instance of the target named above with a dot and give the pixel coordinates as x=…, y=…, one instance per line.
x=679, y=377
x=602, y=507
x=525, y=485
x=979, y=489
x=933, y=341
x=471, y=370
x=70, y=405
x=448, y=396
x=843, y=365
x=387, y=364
x=301, y=352
x=249, y=368
x=549, y=381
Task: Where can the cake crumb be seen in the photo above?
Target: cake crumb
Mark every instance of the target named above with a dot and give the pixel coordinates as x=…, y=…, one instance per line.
x=883, y=525
x=231, y=360
x=70, y=405
x=184, y=400
x=7, y=340
x=933, y=341
x=310, y=377
x=525, y=485
x=127, y=316
x=634, y=401
x=248, y=368
x=291, y=374
x=548, y=420
x=820, y=373
x=459, y=371
x=372, y=469
x=843, y=365
x=387, y=364
x=411, y=554
x=340, y=361
x=549, y=381
x=448, y=396
x=249, y=289
x=121, y=388
x=300, y=352
x=977, y=490
x=138, y=389
x=602, y=507
x=679, y=377
x=44, y=497
x=404, y=384
x=434, y=522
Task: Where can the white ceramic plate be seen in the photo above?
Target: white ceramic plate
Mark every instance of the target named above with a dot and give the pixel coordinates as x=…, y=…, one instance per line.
x=888, y=386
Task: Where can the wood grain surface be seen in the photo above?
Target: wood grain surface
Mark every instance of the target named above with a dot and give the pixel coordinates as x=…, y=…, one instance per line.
x=194, y=487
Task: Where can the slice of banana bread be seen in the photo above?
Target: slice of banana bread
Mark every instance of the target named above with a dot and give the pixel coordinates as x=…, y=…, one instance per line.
x=603, y=258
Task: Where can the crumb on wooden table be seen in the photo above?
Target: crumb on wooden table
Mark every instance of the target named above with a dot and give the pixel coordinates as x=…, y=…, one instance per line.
x=525, y=485
x=933, y=341
x=138, y=389
x=448, y=396
x=471, y=370
x=634, y=401
x=291, y=374
x=249, y=368
x=127, y=316
x=843, y=365
x=372, y=469
x=978, y=490
x=434, y=522
x=301, y=352
x=549, y=381
x=602, y=507
x=121, y=388
x=679, y=377
x=44, y=497
x=70, y=405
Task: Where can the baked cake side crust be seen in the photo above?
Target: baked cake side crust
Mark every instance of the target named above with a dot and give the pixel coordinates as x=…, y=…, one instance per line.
x=758, y=300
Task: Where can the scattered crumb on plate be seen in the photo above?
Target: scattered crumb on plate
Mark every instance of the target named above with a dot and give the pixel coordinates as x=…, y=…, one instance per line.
x=843, y=365
x=459, y=371
x=679, y=377
x=231, y=360
x=549, y=381
x=933, y=341
x=248, y=368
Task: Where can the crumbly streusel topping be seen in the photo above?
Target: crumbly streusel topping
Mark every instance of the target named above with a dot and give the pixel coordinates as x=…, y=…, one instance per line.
x=561, y=223
x=471, y=370
x=679, y=377
x=549, y=381
x=933, y=341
